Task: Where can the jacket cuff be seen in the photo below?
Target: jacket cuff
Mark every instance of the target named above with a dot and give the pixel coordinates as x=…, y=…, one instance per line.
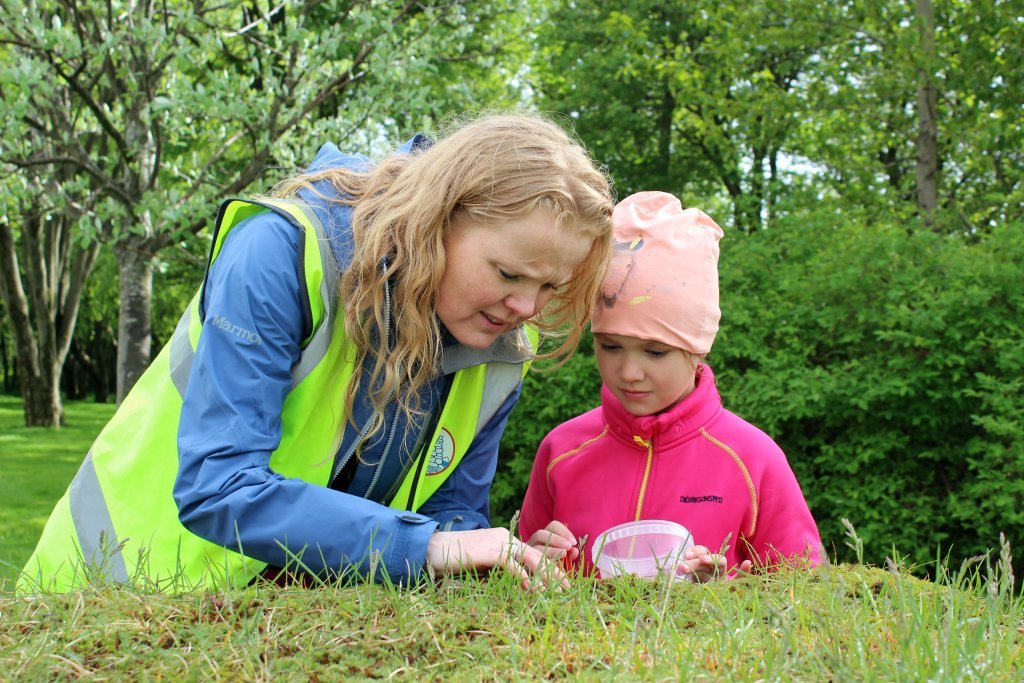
x=406, y=561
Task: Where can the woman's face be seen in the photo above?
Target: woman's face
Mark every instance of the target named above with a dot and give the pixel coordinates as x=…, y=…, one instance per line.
x=499, y=273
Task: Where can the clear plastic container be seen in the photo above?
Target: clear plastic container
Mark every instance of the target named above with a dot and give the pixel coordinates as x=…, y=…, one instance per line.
x=644, y=548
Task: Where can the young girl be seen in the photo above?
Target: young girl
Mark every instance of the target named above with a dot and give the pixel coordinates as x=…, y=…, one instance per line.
x=661, y=446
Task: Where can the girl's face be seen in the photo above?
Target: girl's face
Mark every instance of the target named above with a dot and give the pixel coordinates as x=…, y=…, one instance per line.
x=646, y=376
x=500, y=273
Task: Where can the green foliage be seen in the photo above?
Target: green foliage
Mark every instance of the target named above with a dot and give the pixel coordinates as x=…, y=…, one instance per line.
x=697, y=98
x=132, y=121
x=731, y=105
x=884, y=362
x=862, y=126
x=200, y=98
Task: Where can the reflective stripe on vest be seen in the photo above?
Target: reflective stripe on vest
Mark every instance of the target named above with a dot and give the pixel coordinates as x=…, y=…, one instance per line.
x=119, y=518
x=92, y=523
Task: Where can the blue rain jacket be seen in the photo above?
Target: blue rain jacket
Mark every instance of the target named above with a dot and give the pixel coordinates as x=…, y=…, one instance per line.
x=231, y=421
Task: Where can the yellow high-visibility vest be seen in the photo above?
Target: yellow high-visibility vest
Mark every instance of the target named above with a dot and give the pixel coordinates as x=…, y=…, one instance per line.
x=118, y=519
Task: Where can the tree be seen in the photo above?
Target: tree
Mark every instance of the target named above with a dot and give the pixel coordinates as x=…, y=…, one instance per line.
x=915, y=105
x=44, y=264
x=927, y=144
x=983, y=122
x=44, y=305
x=169, y=105
x=689, y=97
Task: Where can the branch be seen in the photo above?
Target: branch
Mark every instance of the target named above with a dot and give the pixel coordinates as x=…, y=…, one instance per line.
x=81, y=266
x=253, y=24
x=97, y=111
x=343, y=82
x=340, y=83
x=208, y=165
x=84, y=165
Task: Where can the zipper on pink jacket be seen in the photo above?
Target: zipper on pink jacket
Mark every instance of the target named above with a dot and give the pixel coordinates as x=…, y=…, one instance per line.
x=649, y=445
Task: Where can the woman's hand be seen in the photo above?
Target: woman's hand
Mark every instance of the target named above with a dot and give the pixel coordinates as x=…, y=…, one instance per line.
x=701, y=565
x=556, y=542
x=454, y=552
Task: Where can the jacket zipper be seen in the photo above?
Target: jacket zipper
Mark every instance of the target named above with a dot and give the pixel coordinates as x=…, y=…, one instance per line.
x=369, y=422
x=384, y=455
x=647, y=473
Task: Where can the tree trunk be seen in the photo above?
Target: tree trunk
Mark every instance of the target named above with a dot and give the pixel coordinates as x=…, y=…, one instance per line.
x=773, y=188
x=43, y=407
x=37, y=412
x=5, y=360
x=666, y=117
x=747, y=212
x=97, y=362
x=927, y=137
x=41, y=295
x=757, y=186
x=134, y=328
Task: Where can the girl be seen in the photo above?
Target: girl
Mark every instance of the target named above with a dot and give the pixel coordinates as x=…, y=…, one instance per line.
x=661, y=446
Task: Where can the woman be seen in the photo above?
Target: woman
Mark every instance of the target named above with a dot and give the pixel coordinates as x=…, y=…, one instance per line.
x=332, y=401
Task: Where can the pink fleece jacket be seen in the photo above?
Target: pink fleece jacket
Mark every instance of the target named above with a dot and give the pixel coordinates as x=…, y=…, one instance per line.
x=696, y=464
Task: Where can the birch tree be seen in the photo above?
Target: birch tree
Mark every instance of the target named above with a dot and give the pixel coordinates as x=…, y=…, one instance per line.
x=44, y=262
x=176, y=104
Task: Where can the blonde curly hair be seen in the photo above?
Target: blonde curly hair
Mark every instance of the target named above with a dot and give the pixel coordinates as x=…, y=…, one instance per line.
x=498, y=166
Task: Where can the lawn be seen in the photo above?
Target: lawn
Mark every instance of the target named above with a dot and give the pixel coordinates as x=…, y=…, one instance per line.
x=38, y=464
x=839, y=623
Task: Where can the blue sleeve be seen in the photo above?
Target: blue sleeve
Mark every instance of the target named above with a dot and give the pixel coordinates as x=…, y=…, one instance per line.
x=231, y=422
x=463, y=502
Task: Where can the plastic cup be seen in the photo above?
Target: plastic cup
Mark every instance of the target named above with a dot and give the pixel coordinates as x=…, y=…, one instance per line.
x=645, y=548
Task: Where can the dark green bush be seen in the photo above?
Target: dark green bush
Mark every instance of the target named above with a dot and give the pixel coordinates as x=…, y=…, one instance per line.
x=886, y=361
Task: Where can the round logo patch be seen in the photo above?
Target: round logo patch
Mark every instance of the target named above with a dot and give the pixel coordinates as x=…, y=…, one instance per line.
x=441, y=456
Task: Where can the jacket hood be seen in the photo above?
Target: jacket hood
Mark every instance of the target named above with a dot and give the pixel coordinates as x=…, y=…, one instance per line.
x=336, y=218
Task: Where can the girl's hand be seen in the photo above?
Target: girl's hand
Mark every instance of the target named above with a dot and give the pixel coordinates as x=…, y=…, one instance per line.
x=701, y=565
x=556, y=542
x=454, y=552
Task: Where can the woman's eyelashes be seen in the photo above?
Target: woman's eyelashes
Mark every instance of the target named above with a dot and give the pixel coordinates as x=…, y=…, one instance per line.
x=514, y=277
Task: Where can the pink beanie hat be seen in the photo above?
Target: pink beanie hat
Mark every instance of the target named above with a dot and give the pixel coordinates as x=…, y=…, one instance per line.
x=662, y=283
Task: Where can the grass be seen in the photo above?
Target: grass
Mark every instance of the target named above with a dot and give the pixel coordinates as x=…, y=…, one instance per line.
x=37, y=464
x=841, y=623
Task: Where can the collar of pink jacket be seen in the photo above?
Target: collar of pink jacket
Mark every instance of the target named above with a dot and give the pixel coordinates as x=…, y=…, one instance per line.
x=681, y=421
